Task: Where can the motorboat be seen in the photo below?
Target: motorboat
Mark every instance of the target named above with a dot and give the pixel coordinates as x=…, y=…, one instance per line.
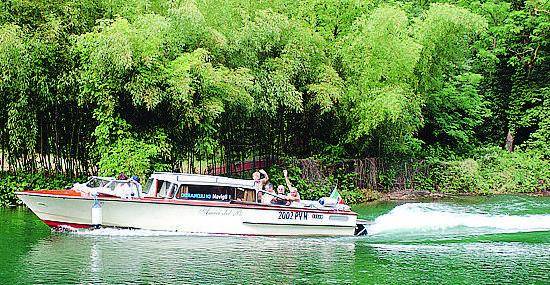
x=188, y=203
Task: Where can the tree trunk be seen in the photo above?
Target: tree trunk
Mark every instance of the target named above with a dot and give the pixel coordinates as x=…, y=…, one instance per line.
x=509, y=142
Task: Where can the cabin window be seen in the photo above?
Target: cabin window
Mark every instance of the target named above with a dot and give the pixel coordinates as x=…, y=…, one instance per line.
x=148, y=186
x=171, y=191
x=165, y=190
x=182, y=190
x=249, y=195
x=118, y=185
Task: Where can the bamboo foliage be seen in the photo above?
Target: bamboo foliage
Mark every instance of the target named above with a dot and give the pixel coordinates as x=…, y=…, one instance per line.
x=144, y=84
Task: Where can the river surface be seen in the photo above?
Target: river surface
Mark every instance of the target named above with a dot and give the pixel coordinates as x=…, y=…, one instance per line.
x=474, y=240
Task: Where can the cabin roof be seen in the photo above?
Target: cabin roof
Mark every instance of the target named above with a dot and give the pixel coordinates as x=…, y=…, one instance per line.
x=198, y=179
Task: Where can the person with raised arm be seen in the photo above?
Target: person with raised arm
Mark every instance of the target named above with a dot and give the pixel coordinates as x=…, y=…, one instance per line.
x=293, y=195
x=259, y=183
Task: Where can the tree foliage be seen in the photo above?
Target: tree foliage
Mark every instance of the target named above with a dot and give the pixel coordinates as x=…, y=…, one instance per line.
x=153, y=81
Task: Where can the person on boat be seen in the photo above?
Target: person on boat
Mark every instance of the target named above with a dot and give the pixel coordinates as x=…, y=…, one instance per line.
x=122, y=176
x=293, y=196
x=267, y=198
x=260, y=182
x=281, y=198
x=123, y=190
x=135, y=186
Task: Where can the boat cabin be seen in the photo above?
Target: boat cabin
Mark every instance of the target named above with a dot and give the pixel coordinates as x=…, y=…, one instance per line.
x=165, y=185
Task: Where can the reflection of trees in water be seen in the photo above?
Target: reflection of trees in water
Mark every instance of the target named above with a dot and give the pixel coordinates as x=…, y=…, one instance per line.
x=189, y=259
x=65, y=258
x=19, y=230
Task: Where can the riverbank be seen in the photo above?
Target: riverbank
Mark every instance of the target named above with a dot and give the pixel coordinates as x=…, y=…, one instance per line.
x=483, y=172
x=486, y=172
x=426, y=195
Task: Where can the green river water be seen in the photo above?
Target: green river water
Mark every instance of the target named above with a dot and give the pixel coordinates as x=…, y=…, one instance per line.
x=474, y=240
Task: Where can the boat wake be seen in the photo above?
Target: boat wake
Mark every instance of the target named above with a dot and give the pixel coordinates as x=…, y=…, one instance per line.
x=438, y=218
x=119, y=232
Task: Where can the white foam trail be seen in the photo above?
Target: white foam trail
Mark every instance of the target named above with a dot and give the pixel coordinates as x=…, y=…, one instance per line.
x=114, y=232
x=429, y=217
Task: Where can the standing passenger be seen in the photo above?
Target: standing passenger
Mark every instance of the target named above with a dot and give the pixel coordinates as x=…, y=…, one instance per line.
x=293, y=196
x=259, y=182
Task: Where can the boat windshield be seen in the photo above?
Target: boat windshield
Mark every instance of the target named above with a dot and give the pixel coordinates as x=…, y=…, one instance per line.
x=95, y=182
x=125, y=188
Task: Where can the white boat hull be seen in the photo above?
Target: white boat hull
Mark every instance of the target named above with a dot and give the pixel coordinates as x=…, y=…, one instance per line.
x=190, y=216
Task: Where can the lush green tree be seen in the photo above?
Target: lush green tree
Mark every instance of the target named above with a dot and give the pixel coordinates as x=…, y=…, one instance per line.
x=159, y=81
x=378, y=58
x=453, y=105
x=515, y=49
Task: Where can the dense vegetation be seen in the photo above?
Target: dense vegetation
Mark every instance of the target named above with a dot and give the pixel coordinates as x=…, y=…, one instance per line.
x=137, y=85
x=10, y=183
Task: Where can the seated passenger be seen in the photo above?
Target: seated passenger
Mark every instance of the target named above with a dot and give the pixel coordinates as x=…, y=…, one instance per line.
x=267, y=198
x=294, y=197
x=281, y=198
x=122, y=190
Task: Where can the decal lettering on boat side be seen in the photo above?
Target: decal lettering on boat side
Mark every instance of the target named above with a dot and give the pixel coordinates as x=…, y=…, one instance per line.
x=221, y=212
x=206, y=196
x=317, y=216
x=196, y=196
x=288, y=215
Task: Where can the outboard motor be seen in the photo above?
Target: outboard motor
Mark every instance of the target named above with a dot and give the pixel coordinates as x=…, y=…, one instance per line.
x=97, y=216
x=361, y=227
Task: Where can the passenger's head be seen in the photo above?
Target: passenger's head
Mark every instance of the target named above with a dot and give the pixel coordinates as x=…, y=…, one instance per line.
x=269, y=187
x=256, y=176
x=293, y=192
x=280, y=189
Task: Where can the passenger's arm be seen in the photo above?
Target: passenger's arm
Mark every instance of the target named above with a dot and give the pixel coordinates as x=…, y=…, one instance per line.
x=288, y=184
x=266, y=177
